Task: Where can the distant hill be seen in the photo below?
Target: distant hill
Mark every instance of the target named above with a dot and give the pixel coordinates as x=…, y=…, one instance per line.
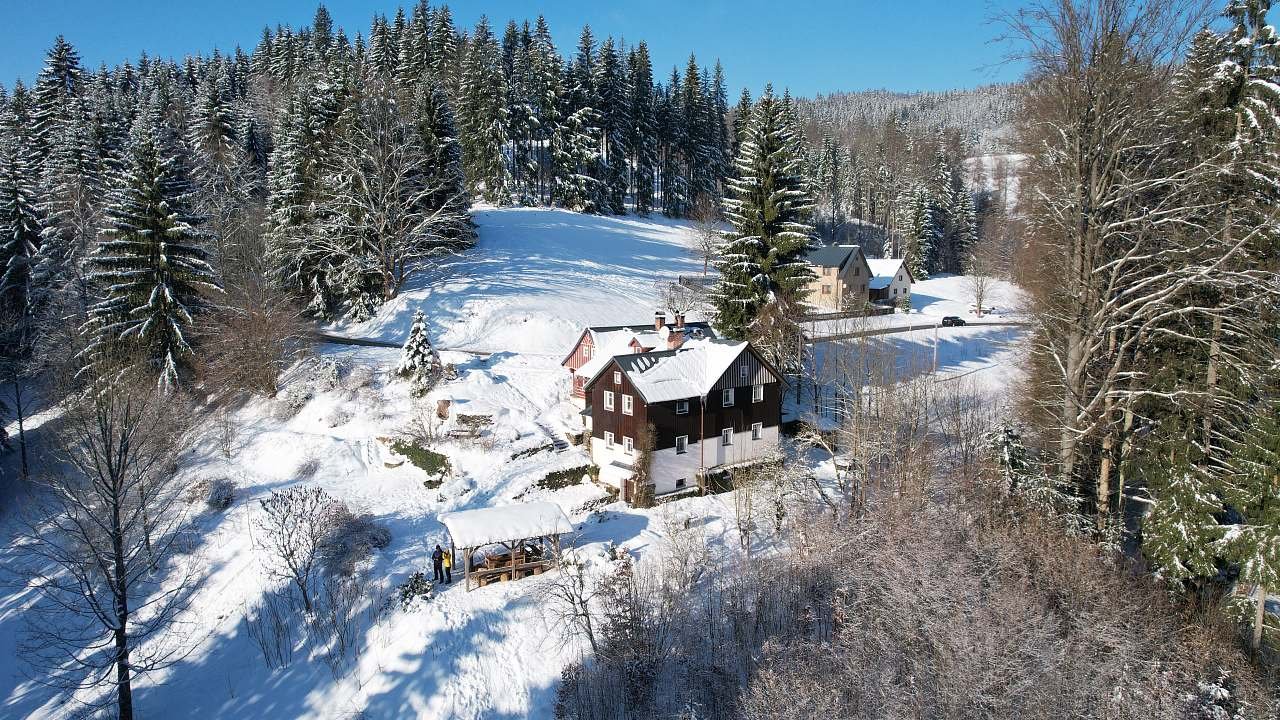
x=982, y=114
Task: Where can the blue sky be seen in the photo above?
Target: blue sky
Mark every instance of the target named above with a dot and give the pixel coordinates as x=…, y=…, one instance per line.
x=809, y=46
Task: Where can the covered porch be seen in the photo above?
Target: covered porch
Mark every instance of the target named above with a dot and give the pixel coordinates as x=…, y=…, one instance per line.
x=517, y=540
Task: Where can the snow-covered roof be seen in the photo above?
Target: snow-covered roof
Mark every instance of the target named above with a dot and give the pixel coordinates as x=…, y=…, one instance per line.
x=486, y=526
x=689, y=371
x=616, y=340
x=883, y=271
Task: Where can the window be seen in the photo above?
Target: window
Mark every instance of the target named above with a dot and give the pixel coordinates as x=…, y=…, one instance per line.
x=857, y=271
x=608, y=399
x=608, y=439
x=682, y=407
x=899, y=276
x=680, y=483
x=682, y=444
x=742, y=370
x=626, y=404
x=826, y=289
x=628, y=445
x=586, y=352
x=726, y=437
x=726, y=397
x=757, y=429
x=895, y=291
x=757, y=393
x=617, y=378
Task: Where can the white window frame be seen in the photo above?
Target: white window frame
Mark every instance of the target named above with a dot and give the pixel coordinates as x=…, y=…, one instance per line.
x=608, y=439
x=726, y=397
x=608, y=400
x=726, y=437
x=757, y=431
x=617, y=378
x=682, y=444
x=757, y=393
x=586, y=352
x=628, y=405
x=628, y=445
x=682, y=407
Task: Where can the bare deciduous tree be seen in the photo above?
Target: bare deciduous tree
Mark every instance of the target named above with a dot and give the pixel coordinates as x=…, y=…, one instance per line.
x=292, y=531
x=105, y=544
x=255, y=335
x=677, y=298
x=704, y=235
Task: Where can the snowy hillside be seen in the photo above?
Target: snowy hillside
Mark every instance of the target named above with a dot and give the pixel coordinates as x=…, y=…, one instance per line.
x=538, y=276
x=505, y=312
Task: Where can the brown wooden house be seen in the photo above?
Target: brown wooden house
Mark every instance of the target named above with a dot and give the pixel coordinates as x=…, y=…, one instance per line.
x=711, y=404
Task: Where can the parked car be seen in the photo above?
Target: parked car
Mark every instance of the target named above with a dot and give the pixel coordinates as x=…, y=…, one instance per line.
x=952, y=321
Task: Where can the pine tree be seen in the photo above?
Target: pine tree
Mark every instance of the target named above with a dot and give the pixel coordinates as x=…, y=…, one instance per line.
x=60, y=81
x=419, y=362
x=919, y=230
x=70, y=207
x=612, y=107
x=483, y=119
x=150, y=264
x=21, y=223
x=761, y=259
x=643, y=137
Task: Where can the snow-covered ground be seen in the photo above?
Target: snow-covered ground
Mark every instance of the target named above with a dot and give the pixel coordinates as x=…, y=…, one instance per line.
x=507, y=311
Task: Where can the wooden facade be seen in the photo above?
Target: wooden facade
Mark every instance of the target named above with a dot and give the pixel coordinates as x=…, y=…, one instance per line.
x=706, y=417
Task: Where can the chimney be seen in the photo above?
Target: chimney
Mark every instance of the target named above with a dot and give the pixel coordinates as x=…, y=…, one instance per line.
x=680, y=320
x=675, y=338
x=659, y=319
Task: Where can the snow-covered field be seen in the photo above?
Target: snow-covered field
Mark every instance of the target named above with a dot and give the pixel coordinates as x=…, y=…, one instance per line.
x=506, y=312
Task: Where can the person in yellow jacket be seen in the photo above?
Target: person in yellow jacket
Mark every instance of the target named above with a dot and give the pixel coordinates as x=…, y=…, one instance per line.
x=448, y=567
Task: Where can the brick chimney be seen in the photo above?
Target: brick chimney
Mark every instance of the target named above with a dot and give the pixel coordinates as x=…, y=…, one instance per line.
x=675, y=337
x=659, y=319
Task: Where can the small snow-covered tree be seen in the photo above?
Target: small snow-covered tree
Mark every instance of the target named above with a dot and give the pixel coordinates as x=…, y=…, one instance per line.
x=419, y=362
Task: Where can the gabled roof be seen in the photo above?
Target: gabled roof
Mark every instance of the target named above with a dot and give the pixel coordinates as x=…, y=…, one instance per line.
x=612, y=340
x=883, y=271
x=689, y=371
x=519, y=521
x=836, y=256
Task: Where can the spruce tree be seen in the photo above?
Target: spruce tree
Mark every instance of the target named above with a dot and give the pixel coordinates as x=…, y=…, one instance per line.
x=419, y=362
x=761, y=261
x=482, y=117
x=21, y=224
x=612, y=107
x=642, y=123
x=150, y=266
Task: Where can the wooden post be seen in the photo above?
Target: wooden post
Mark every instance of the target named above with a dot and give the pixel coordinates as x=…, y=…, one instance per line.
x=466, y=570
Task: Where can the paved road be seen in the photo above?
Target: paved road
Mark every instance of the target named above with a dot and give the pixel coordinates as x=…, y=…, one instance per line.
x=901, y=329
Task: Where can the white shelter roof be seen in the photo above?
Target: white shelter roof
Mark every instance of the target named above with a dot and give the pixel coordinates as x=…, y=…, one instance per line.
x=519, y=521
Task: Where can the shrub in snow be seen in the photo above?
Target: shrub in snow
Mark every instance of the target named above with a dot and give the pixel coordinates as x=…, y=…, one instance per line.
x=414, y=592
x=360, y=376
x=352, y=539
x=1216, y=700
x=221, y=494
x=307, y=469
x=271, y=624
x=325, y=375
x=435, y=465
x=558, y=479
x=337, y=418
x=419, y=362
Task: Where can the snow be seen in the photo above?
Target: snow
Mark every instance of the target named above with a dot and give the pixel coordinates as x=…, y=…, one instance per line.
x=688, y=372
x=503, y=314
x=520, y=521
x=882, y=271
